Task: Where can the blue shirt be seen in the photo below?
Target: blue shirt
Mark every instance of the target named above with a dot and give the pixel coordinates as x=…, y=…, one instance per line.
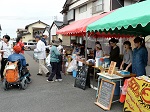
x=43, y=40
x=16, y=57
x=139, y=61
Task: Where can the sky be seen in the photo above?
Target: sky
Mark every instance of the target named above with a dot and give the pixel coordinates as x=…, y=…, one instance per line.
x=19, y=13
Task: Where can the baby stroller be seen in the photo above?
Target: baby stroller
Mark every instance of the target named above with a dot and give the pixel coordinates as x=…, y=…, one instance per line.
x=16, y=74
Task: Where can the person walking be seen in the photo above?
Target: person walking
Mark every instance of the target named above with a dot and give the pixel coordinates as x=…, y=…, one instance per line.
x=6, y=52
x=20, y=43
x=140, y=57
x=41, y=56
x=45, y=36
x=54, y=61
x=127, y=58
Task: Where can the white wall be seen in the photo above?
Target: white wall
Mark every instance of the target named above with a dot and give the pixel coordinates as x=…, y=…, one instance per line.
x=73, y=1
x=75, y=5
x=54, y=29
x=83, y=15
x=106, y=5
x=88, y=13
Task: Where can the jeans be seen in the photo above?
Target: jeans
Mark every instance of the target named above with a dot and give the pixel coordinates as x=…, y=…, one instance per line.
x=55, y=70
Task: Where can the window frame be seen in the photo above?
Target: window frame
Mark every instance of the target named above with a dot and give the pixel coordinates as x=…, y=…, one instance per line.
x=84, y=8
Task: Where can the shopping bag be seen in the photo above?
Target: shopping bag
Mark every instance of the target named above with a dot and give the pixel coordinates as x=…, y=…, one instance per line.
x=47, y=61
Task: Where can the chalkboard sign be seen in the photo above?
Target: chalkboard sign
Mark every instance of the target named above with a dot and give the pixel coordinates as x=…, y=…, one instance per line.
x=105, y=95
x=80, y=80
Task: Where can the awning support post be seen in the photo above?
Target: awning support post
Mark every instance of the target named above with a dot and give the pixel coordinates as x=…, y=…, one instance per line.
x=86, y=37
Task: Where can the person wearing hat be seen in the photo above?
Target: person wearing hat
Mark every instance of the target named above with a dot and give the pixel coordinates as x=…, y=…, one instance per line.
x=17, y=56
x=98, y=54
x=96, y=43
x=99, y=51
x=45, y=36
x=41, y=56
x=5, y=47
x=55, y=63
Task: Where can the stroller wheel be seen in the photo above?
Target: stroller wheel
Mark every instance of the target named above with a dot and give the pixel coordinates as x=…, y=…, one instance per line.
x=24, y=84
x=28, y=80
x=5, y=84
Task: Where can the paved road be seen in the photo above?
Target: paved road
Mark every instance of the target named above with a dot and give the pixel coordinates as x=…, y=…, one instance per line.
x=41, y=96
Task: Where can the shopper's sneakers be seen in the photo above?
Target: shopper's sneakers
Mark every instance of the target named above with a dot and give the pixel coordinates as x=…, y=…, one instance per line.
x=39, y=74
x=59, y=80
x=56, y=80
x=49, y=80
x=47, y=75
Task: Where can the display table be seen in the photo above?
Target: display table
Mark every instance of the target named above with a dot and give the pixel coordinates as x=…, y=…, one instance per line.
x=113, y=78
x=125, y=76
x=98, y=68
x=84, y=62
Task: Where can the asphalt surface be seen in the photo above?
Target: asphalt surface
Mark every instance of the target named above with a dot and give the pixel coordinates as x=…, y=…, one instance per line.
x=41, y=96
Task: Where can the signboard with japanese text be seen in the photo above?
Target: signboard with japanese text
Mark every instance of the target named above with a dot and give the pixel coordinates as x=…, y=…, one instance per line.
x=80, y=80
x=105, y=94
x=138, y=96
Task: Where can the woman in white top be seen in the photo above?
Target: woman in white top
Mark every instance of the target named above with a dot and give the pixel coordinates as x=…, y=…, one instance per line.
x=6, y=51
x=99, y=51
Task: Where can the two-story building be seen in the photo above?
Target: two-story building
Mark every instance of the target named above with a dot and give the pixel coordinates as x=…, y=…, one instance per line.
x=74, y=10
x=31, y=30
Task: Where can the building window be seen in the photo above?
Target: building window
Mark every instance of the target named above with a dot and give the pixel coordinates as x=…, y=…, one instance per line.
x=98, y=6
x=71, y=15
x=83, y=9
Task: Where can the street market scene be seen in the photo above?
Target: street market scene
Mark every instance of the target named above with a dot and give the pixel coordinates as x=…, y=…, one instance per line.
x=75, y=56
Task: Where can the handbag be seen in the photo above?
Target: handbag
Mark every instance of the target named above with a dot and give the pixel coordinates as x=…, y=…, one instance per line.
x=47, y=61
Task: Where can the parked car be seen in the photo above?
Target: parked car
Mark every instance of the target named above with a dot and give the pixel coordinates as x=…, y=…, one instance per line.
x=29, y=45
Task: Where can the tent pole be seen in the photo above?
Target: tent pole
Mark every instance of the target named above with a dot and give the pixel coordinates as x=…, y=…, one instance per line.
x=86, y=37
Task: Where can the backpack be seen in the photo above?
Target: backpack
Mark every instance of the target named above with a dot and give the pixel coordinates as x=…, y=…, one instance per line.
x=11, y=72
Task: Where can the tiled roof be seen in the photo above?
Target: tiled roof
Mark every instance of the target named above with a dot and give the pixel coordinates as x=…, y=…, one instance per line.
x=59, y=24
x=35, y=23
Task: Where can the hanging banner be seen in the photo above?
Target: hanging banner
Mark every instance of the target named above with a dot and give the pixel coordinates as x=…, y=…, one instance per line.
x=137, y=96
